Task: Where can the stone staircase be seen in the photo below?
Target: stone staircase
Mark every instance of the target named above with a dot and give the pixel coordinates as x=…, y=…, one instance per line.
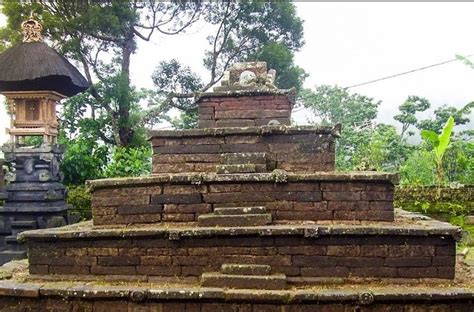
x=242, y=163
x=244, y=276
x=236, y=216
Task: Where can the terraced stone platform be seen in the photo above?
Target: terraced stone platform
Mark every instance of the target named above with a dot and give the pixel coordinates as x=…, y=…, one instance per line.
x=19, y=292
x=412, y=246
x=239, y=218
x=183, y=197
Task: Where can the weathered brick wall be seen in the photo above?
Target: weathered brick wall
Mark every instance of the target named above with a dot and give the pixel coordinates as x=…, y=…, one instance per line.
x=300, y=258
x=311, y=201
x=296, y=152
x=14, y=304
x=243, y=111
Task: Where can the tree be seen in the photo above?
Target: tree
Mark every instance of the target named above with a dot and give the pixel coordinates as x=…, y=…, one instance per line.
x=332, y=104
x=461, y=116
x=386, y=150
x=102, y=36
x=245, y=31
x=356, y=113
x=408, y=110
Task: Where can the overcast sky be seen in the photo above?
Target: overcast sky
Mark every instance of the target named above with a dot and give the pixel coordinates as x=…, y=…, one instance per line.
x=350, y=43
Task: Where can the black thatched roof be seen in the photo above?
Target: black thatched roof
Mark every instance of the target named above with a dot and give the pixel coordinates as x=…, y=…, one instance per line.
x=34, y=66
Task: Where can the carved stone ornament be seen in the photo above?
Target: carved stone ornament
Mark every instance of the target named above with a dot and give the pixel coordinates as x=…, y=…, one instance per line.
x=31, y=30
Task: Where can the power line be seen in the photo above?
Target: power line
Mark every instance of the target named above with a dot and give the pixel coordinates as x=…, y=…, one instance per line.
x=405, y=73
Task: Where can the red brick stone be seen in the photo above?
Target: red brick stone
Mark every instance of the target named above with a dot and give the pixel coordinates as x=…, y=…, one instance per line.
x=343, y=186
x=224, y=188
x=155, y=260
x=187, y=208
x=179, y=217
x=325, y=271
x=343, y=250
x=408, y=262
x=122, y=200
x=349, y=205
x=158, y=270
x=118, y=260
x=113, y=270
x=374, y=251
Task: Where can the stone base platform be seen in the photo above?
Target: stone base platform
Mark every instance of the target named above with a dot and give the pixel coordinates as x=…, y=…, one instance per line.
x=20, y=293
x=413, y=246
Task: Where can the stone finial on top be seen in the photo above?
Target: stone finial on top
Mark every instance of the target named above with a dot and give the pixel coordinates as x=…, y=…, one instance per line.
x=31, y=30
x=248, y=76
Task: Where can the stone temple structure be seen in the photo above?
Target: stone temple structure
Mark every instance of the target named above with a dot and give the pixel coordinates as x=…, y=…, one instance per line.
x=34, y=78
x=245, y=213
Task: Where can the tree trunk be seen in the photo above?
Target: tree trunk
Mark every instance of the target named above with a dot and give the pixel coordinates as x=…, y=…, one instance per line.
x=125, y=132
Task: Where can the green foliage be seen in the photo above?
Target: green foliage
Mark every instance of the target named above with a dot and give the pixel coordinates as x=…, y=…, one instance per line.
x=281, y=58
x=408, y=110
x=80, y=198
x=83, y=160
x=458, y=163
x=357, y=148
x=35, y=141
x=417, y=170
x=439, y=143
x=442, y=114
x=246, y=31
x=385, y=150
x=173, y=80
x=128, y=162
x=332, y=104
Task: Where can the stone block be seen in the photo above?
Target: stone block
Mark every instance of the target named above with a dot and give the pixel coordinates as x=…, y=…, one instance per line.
x=243, y=158
x=245, y=269
x=341, y=196
x=195, y=198
x=139, y=209
x=233, y=123
x=276, y=281
x=239, y=210
x=235, y=220
x=241, y=168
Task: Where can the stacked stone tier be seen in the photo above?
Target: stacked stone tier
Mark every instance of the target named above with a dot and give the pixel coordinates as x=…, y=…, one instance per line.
x=287, y=196
x=292, y=148
x=410, y=247
x=245, y=108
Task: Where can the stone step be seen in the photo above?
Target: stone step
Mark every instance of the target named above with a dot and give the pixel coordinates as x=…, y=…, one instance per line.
x=11, y=240
x=215, y=279
x=235, y=220
x=244, y=158
x=9, y=255
x=239, y=210
x=245, y=269
x=12, y=244
x=242, y=168
x=25, y=225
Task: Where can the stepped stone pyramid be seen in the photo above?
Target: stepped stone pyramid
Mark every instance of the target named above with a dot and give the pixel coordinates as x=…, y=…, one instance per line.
x=245, y=213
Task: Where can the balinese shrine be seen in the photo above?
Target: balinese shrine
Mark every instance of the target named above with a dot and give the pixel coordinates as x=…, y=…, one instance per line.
x=34, y=78
x=246, y=213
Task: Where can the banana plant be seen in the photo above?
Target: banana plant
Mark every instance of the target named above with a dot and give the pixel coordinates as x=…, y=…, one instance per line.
x=440, y=144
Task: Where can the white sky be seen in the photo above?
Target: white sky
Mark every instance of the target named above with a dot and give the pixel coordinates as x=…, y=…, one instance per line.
x=350, y=43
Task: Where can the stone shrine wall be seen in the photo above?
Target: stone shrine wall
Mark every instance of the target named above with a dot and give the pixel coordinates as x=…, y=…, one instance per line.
x=219, y=110
x=294, y=149
x=301, y=258
x=310, y=200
